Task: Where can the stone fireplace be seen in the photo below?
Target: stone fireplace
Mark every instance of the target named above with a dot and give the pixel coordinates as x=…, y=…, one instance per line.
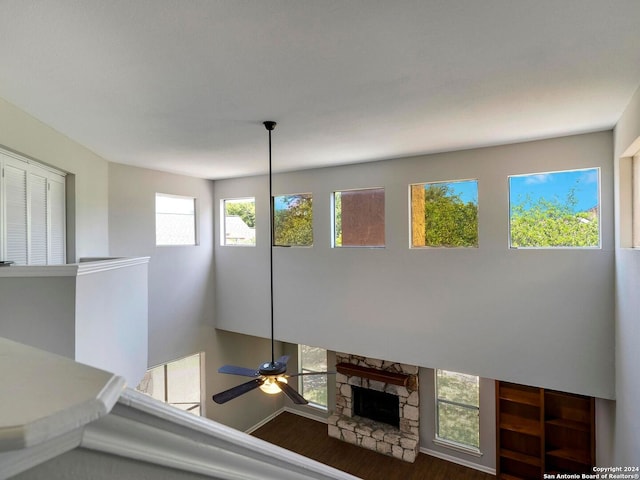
x=377, y=406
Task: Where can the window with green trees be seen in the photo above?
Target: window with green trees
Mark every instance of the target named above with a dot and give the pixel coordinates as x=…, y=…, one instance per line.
x=444, y=214
x=313, y=387
x=555, y=209
x=458, y=408
x=239, y=221
x=293, y=220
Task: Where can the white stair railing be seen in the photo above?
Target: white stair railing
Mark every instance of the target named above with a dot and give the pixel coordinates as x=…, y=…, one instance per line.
x=50, y=405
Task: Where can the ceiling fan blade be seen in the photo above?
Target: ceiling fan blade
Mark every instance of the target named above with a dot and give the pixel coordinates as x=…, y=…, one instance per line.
x=291, y=393
x=283, y=359
x=300, y=374
x=234, y=370
x=236, y=391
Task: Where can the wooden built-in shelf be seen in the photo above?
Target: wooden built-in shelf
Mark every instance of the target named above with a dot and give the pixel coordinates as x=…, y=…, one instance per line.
x=521, y=457
x=575, y=455
x=520, y=424
x=571, y=424
x=374, y=374
x=519, y=396
x=505, y=476
x=555, y=429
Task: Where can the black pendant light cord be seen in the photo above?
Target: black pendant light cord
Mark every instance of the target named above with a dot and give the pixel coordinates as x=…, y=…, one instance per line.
x=270, y=126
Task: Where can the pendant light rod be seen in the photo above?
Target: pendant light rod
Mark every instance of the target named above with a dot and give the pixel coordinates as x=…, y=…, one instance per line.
x=270, y=125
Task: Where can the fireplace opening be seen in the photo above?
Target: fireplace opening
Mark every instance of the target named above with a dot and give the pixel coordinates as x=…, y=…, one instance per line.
x=379, y=406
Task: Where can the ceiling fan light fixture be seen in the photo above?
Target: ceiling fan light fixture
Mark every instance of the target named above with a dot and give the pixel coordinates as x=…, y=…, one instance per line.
x=271, y=386
x=270, y=377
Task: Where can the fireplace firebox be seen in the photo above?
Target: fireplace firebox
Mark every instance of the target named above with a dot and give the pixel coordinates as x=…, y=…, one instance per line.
x=378, y=406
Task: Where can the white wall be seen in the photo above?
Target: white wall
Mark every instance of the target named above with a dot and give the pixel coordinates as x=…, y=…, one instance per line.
x=39, y=312
x=87, y=185
x=537, y=317
x=112, y=320
x=627, y=415
x=182, y=288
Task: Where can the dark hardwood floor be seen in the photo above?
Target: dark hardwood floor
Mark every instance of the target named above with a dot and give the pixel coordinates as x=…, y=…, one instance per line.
x=309, y=438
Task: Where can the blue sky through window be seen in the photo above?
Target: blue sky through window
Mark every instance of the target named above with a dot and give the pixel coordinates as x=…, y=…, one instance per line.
x=467, y=190
x=556, y=186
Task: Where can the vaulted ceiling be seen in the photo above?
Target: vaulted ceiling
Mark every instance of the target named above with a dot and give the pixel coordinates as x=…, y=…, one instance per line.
x=183, y=85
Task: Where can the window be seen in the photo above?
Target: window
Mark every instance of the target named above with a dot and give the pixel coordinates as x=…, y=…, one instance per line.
x=358, y=218
x=239, y=224
x=176, y=383
x=555, y=209
x=175, y=220
x=32, y=212
x=444, y=214
x=458, y=408
x=313, y=387
x=293, y=220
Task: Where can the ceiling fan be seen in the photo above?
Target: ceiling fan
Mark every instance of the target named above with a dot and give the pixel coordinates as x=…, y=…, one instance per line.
x=270, y=377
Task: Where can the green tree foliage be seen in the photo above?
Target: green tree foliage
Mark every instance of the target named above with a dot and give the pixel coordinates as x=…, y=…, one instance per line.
x=314, y=387
x=551, y=223
x=245, y=210
x=293, y=223
x=337, y=214
x=455, y=422
x=449, y=221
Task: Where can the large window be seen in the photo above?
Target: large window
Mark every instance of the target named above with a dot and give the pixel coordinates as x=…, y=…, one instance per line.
x=175, y=220
x=358, y=218
x=444, y=214
x=293, y=220
x=176, y=383
x=313, y=387
x=555, y=209
x=239, y=222
x=32, y=212
x=458, y=408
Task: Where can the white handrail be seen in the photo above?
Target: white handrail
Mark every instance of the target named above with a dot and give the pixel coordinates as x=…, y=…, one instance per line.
x=209, y=448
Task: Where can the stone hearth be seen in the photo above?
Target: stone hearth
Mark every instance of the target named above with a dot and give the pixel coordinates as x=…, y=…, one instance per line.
x=402, y=442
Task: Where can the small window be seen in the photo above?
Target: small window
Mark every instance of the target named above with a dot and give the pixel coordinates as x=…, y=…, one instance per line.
x=239, y=225
x=293, y=220
x=555, y=209
x=358, y=219
x=444, y=214
x=176, y=383
x=313, y=387
x=458, y=408
x=175, y=220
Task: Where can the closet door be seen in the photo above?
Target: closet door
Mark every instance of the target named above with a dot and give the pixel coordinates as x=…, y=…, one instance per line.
x=39, y=238
x=57, y=220
x=15, y=210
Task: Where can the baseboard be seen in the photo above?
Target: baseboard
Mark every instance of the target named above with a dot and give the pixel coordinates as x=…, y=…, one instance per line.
x=307, y=414
x=250, y=430
x=459, y=461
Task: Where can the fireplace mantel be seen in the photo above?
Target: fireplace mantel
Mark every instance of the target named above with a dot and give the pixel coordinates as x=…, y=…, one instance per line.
x=374, y=374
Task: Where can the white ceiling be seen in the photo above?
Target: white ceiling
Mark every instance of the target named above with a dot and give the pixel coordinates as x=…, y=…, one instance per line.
x=183, y=85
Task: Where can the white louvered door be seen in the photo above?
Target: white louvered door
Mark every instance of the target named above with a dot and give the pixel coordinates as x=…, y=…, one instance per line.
x=15, y=209
x=39, y=241
x=57, y=220
x=32, y=212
